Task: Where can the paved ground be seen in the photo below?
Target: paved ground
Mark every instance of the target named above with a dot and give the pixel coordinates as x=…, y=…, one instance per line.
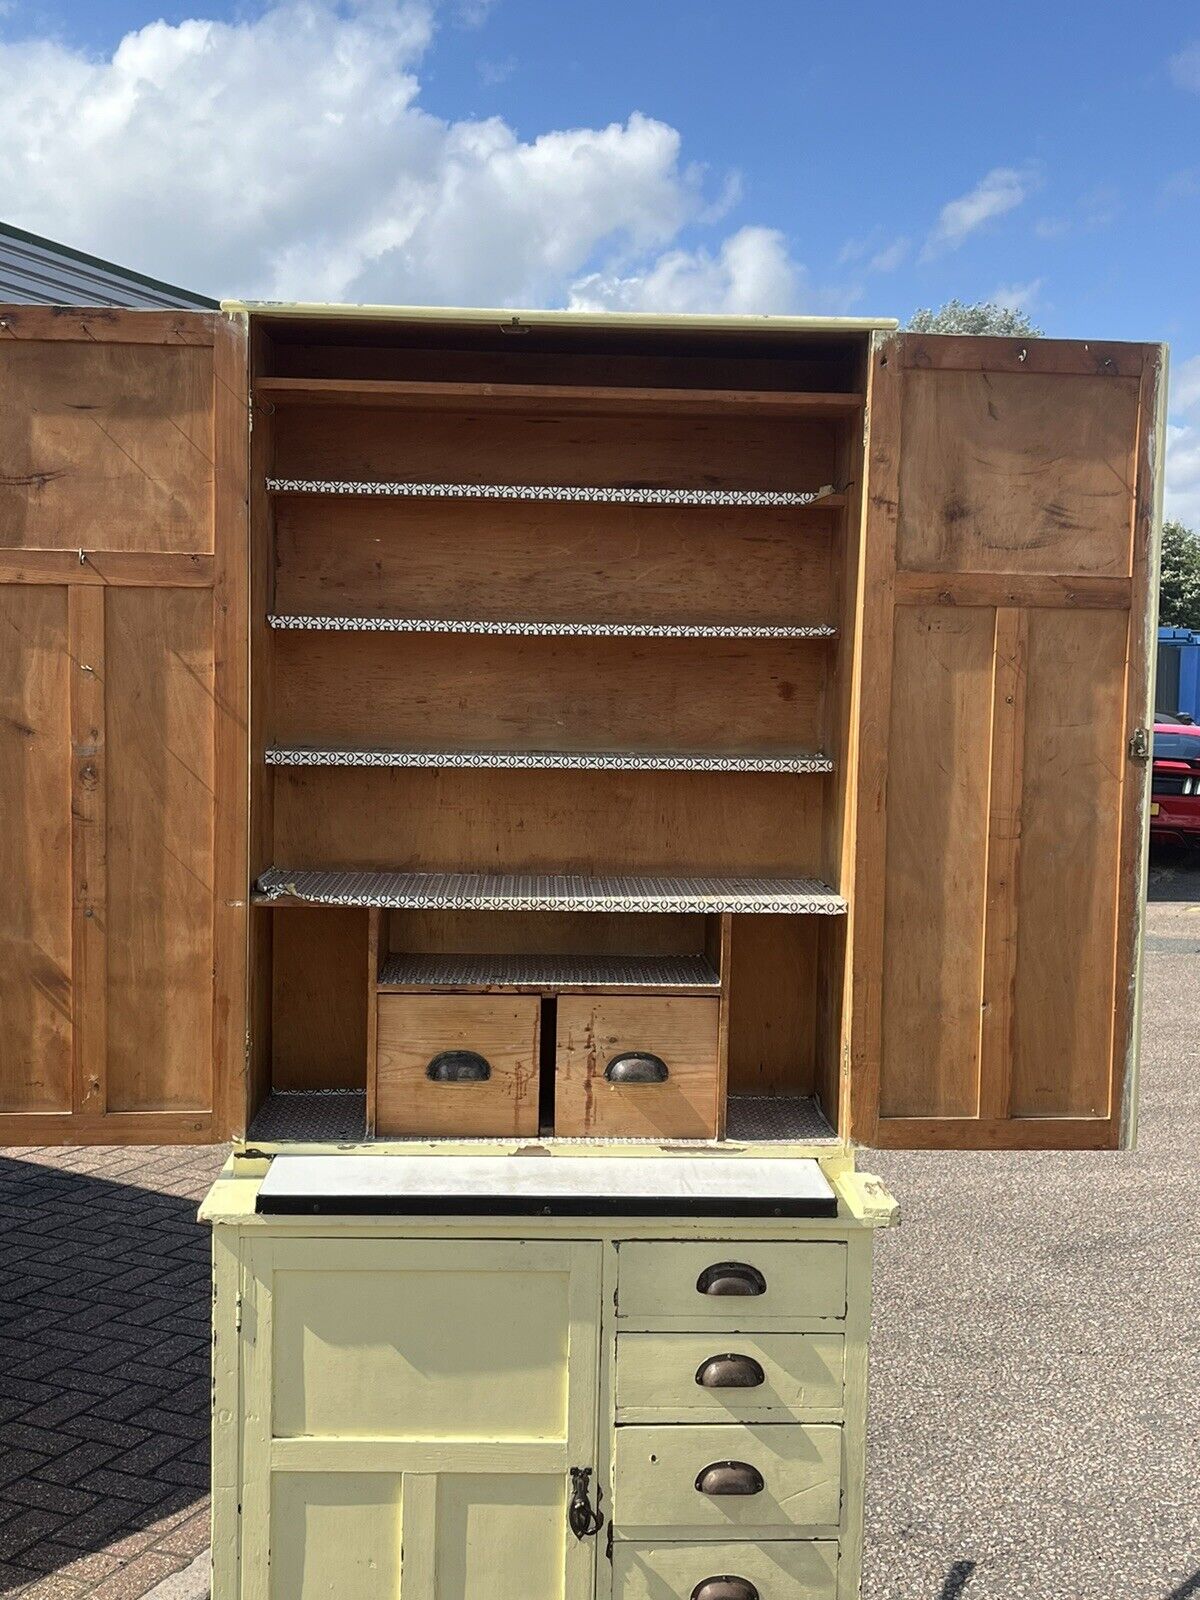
x=1036, y=1377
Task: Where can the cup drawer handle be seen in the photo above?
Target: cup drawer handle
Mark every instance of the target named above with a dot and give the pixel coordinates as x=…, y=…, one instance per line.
x=725, y=1589
x=731, y=1277
x=730, y=1372
x=730, y=1477
x=458, y=1066
x=637, y=1066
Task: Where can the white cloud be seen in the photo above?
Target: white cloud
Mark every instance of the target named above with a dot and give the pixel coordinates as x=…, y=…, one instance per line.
x=286, y=155
x=1182, y=485
x=751, y=272
x=1017, y=296
x=1185, y=67
x=997, y=192
x=889, y=258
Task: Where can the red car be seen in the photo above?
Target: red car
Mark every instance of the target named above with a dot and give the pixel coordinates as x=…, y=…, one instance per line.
x=1175, y=784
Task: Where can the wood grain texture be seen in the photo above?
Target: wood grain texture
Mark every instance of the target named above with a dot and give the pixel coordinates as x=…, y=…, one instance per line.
x=937, y=822
x=501, y=820
x=89, y=848
x=99, y=568
x=542, y=562
x=773, y=1004
x=993, y=589
x=413, y=1029
x=683, y=1033
x=319, y=999
x=487, y=692
x=1000, y=472
x=536, y=932
x=704, y=453
x=1066, y=903
x=106, y=446
x=36, y=993
x=160, y=815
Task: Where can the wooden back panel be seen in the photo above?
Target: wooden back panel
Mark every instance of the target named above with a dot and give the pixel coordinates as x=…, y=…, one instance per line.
x=1008, y=613
x=122, y=739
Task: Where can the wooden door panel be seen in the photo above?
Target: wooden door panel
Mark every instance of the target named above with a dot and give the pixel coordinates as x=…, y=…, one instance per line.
x=106, y=446
x=123, y=444
x=999, y=876
x=35, y=851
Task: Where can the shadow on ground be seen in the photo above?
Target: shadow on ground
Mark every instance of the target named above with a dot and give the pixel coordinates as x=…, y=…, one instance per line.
x=103, y=1371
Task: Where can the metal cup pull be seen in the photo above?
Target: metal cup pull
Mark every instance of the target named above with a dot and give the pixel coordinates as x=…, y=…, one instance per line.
x=458, y=1066
x=730, y=1477
x=730, y=1372
x=637, y=1066
x=731, y=1277
x=725, y=1589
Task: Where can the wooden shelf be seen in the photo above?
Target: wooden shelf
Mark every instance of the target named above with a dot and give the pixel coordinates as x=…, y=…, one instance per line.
x=560, y=399
x=526, y=891
x=552, y=630
x=552, y=760
x=550, y=974
x=826, y=498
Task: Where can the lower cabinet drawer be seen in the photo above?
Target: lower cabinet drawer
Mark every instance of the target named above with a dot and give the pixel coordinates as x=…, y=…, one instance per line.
x=731, y=1285
x=718, y=1377
x=459, y=1065
x=768, y=1479
x=637, y=1067
x=795, y=1570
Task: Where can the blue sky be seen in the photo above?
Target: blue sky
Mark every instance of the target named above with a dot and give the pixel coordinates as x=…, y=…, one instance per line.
x=775, y=155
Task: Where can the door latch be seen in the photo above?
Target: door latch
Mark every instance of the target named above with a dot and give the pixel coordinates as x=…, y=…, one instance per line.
x=583, y=1519
x=1139, y=745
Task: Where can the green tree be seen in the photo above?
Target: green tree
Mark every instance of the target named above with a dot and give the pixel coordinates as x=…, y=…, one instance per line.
x=1179, y=584
x=983, y=316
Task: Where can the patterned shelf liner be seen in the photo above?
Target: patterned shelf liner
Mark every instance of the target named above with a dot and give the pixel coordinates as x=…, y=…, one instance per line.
x=472, y=891
x=550, y=760
x=553, y=630
x=563, y=492
x=548, y=972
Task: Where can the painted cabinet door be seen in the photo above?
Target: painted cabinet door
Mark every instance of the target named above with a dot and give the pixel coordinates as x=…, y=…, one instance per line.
x=413, y=1412
x=1003, y=787
x=123, y=444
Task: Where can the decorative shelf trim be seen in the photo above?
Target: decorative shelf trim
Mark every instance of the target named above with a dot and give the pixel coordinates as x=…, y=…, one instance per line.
x=565, y=492
x=548, y=972
x=550, y=760
x=553, y=630
x=521, y=891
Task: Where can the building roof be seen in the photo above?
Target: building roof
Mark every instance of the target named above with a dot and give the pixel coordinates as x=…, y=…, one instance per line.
x=38, y=271
x=762, y=323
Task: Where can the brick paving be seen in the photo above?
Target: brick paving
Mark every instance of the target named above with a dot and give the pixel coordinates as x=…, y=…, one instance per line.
x=104, y=1304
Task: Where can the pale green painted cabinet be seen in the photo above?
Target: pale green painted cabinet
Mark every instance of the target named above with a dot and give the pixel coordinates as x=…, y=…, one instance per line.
x=405, y=1405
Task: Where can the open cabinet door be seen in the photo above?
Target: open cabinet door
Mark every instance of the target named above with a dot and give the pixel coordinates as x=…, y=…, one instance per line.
x=123, y=442
x=1005, y=706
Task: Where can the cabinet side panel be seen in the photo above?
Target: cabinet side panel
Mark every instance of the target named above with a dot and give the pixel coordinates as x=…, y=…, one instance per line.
x=35, y=851
x=159, y=648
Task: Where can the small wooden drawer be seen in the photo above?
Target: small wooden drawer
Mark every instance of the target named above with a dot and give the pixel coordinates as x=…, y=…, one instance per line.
x=458, y=1065
x=724, y=1284
x=796, y=1569
x=637, y=1067
x=767, y=1479
x=711, y=1377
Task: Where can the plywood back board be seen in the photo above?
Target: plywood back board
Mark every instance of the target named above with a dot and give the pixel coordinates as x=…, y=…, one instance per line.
x=123, y=772
x=1008, y=609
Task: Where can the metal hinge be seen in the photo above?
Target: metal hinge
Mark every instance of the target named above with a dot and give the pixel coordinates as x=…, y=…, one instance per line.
x=1139, y=745
x=237, y=1314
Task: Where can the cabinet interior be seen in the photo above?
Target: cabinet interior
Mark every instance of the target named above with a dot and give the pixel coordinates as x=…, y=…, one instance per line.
x=548, y=615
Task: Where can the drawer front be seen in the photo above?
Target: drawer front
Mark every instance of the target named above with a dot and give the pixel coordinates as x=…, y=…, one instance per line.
x=637, y=1067
x=786, y=1475
x=798, y=1569
x=704, y=1377
x=682, y=1283
x=459, y=1065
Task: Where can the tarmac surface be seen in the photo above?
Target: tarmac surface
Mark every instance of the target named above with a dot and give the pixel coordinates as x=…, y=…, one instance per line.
x=1035, y=1405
